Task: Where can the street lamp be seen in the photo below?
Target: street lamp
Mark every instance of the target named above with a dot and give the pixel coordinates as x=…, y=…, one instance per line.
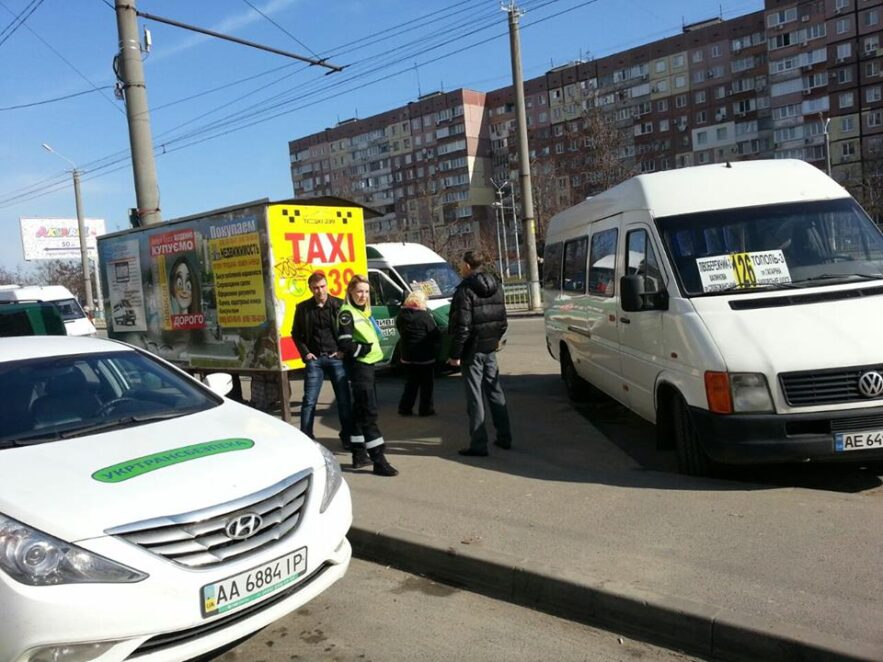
x=498, y=209
x=515, y=227
x=825, y=123
x=81, y=228
x=499, y=188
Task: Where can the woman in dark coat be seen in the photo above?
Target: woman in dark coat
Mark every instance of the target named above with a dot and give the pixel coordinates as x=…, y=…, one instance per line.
x=419, y=342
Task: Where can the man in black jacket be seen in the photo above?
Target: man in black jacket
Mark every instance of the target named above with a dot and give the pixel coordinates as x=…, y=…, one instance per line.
x=477, y=323
x=315, y=334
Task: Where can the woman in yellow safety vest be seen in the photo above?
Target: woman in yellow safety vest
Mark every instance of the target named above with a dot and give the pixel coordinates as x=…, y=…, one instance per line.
x=359, y=339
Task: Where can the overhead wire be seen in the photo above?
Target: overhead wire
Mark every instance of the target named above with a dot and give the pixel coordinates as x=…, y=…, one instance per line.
x=55, y=99
x=217, y=130
x=19, y=20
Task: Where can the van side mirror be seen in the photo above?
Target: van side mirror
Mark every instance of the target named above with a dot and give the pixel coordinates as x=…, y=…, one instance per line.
x=633, y=296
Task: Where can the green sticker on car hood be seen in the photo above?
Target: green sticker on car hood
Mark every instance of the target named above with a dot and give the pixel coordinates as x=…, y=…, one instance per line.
x=117, y=473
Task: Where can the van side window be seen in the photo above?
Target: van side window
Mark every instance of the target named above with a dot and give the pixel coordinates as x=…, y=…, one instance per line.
x=574, y=279
x=552, y=266
x=641, y=260
x=603, y=263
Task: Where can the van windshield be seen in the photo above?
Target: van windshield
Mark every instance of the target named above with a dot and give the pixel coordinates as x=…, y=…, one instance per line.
x=69, y=309
x=774, y=246
x=437, y=279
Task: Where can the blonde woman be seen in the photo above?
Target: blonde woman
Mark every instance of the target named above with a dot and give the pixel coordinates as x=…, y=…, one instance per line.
x=419, y=343
x=359, y=340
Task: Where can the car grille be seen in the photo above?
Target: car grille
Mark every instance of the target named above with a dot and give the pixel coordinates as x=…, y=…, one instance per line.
x=824, y=387
x=198, y=539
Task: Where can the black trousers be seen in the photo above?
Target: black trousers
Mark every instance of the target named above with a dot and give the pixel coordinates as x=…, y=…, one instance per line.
x=418, y=378
x=364, y=407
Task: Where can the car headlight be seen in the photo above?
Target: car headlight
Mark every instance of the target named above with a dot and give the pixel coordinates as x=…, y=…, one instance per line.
x=750, y=392
x=333, y=477
x=38, y=559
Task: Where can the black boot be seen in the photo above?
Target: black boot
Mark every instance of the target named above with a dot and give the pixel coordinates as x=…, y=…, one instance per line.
x=381, y=466
x=360, y=456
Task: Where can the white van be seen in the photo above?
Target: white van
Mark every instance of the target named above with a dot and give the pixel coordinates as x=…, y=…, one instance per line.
x=75, y=320
x=737, y=306
x=396, y=268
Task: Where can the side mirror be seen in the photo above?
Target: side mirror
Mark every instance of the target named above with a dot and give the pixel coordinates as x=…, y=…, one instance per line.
x=633, y=296
x=219, y=382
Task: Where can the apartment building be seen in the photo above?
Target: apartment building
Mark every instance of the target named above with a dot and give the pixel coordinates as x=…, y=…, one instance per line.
x=799, y=79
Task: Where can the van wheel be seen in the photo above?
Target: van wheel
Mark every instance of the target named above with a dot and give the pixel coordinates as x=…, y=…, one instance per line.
x=692, y=460
x=577, y=387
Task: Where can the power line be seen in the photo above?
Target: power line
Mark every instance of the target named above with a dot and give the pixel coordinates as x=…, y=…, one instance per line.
x=19, y=20
x=53, y=100
x=298, y=41
x=227, y=126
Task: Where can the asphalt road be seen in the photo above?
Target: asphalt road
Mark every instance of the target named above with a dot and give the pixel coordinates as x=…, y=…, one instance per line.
x=377, y=613
x=636, y=438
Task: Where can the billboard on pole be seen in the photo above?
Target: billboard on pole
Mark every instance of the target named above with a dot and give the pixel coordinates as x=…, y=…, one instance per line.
x=58, y=238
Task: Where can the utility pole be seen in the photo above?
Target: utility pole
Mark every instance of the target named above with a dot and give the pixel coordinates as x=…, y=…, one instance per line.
x=527, y=214
x=130, y=72
x=515, y=227
x=81, y=229
x=825, y=122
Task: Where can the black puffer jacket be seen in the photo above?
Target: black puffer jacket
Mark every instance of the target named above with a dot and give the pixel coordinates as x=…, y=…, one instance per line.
x=478, y=315
x=420, y=336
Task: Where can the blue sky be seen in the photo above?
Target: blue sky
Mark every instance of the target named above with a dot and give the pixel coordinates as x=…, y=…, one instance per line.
x=224, y=113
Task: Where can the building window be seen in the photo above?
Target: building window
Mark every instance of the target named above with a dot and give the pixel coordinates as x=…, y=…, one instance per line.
x=701, y=137
x=697, y=56
x=681, y=101
x=846, y=99
x=701, y=117
x=841, y=26
x=847, y=149
x=872, y=68
x=677, y=60
x=844, y=75
x=716, y=50
x=874, y=118
x=680, y=81
x=847, y=124
x=662, y=105
x=660, y=66
x=721, y=133
x=872, y=94
x=871, y=44
x=699, y=97
x=872, y=17
x=844, y=51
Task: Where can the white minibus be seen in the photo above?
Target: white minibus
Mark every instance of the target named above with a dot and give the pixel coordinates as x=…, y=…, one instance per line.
x=737, y=306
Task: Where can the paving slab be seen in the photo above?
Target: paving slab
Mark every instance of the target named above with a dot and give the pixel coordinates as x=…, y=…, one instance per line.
x=568, y=523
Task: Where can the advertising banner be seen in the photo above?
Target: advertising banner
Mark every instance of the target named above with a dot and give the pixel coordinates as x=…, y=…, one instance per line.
x=204, y=290
x=305, y=239
x=58, y=238
x=122, y=267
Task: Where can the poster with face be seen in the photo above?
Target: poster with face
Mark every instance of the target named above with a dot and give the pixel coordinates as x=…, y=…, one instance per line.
x=175, y=258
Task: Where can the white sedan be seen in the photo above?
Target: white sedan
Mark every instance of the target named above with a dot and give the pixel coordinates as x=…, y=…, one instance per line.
x=143, y=516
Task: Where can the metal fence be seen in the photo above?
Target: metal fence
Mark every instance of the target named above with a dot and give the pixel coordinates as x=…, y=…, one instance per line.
x=516, y=295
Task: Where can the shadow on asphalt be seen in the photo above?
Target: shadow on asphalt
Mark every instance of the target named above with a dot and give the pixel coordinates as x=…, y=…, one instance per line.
x=624, y=454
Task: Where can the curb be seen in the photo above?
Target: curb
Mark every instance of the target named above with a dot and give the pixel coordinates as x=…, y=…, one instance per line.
x=694, y=627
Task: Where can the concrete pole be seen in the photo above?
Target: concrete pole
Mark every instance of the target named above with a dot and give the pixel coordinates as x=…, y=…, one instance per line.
x=98, y=293
x=505, y=230
x=499, y=249
x=527, y=214
x=84, y=251
x=131, y=74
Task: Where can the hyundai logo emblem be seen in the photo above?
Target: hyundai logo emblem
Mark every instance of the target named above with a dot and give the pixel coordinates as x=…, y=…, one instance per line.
x=243, y=526
x=870, y=384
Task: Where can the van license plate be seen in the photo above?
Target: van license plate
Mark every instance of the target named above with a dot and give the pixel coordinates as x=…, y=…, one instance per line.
x=857, y=441
x=253, y=584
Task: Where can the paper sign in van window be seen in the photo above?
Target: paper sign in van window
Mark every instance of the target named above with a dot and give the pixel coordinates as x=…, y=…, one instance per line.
x=738, y=270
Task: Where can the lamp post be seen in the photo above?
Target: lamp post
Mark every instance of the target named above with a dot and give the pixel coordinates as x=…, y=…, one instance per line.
x=825, y=123
x=499, y=188
x=81, y=228
x=515, y=227
x=497, y=211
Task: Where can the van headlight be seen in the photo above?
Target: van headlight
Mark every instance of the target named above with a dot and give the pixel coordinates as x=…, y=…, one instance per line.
x=750, y=392
x=38, y=559
x=333, y=477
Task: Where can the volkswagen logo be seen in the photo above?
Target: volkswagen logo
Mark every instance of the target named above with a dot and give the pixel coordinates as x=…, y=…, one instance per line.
x=243, y=526
x=870, y=384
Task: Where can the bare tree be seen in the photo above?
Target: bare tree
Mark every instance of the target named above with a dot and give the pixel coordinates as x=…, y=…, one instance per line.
x=16, y=276
x=62, y=272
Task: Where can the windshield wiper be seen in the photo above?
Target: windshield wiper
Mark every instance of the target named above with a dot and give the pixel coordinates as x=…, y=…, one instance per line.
x=760, y=286
x=849, y=276
x=122, y=422
x=40, y=437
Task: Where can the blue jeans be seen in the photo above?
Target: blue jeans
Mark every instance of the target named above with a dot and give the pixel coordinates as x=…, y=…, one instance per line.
x=316, y=371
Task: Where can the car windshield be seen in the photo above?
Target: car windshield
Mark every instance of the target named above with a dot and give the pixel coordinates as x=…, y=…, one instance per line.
x=437, y=279
x=59, y=397
x=69, y=309
x=771, y=247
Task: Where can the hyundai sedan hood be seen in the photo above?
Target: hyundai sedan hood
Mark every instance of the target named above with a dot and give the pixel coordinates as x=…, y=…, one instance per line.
x=161, y=468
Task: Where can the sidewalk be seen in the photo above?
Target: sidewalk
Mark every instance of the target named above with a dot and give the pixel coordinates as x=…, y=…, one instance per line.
x=567, y=523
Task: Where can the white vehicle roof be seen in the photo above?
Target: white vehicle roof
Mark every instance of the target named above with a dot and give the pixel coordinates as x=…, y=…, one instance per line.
x=405, y=253
x=21, y=348
x=36, y=292
x=704, y=188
